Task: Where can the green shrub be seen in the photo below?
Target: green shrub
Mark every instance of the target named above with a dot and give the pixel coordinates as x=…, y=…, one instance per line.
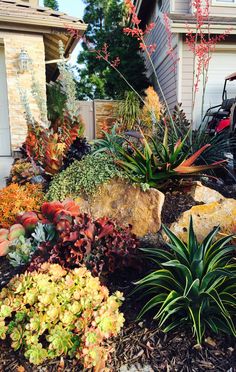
x=195, y=284
x=56, y=312
x=83, y=177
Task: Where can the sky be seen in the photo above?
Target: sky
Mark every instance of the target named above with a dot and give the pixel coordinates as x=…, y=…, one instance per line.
x=73, y=8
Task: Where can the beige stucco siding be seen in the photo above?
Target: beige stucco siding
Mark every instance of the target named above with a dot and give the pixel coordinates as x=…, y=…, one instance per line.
x=34, y=45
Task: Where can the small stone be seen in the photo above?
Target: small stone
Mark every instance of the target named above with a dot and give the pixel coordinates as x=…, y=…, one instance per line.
x=209, y=341
x=230, y=350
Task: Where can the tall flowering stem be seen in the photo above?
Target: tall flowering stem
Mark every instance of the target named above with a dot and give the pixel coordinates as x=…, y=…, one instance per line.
x=103, y=54
x=202, y=45
x=139, y=34
x=170, y=50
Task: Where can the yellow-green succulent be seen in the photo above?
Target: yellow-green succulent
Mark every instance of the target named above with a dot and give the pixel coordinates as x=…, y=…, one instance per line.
x=57, y=312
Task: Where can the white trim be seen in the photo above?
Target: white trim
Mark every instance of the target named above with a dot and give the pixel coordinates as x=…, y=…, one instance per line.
x=7, y=118
x=172, y=6
x=179, y=69
x=223, y=3
x=215, y=29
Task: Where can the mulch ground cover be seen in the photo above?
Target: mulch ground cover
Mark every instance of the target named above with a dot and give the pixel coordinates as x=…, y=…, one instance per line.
x=140, y=346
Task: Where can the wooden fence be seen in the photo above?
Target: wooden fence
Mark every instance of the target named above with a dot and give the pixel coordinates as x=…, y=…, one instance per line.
x=97, y=115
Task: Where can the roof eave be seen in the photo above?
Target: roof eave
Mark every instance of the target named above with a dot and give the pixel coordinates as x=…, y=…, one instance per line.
x=39, y=26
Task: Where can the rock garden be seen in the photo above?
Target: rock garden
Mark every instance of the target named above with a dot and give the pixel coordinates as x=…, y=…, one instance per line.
x=118, y=255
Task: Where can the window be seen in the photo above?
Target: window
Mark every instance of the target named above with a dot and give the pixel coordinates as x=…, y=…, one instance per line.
x=224, y=2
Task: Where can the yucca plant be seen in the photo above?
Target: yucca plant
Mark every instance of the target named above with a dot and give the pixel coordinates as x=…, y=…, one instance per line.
x=194, y=284
x=156, y=162
x=129, y=110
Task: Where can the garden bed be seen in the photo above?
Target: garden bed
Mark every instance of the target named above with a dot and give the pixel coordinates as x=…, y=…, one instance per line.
x=140, y=345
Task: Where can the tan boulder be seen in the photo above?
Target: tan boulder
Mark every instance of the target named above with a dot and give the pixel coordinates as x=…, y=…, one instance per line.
x=203, y=194
x=206, y=217
x=127, y=204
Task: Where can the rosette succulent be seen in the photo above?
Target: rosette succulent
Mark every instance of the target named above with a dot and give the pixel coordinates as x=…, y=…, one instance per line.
x=55, y=312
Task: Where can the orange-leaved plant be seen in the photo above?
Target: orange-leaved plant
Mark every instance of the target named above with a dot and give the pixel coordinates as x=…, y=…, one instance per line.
x=15, y=199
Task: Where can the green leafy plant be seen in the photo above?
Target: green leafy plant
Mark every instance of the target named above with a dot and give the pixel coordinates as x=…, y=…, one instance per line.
x=129, y=111
x=157, y=162
x=195, y=284
x=56, y=100
x=69, y=310
x=83, y=177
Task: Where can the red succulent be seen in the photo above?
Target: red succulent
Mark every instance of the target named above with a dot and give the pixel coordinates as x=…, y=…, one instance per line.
x=101, y=245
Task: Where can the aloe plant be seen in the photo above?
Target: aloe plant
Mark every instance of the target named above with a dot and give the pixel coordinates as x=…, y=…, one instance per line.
x=156, y=162
x=194, y=284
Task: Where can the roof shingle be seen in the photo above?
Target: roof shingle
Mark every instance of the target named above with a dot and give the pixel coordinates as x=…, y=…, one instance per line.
x=13, y=11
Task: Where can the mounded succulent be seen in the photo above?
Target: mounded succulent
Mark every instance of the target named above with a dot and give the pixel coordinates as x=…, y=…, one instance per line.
x=22, y=171
x=20, y=251
x=79, y=148
x=7, y=236
x=69, y=310
x=101, y=245
x=83, y=177
x=29, y=220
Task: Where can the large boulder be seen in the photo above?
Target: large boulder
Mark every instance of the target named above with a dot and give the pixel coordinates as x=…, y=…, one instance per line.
x=206, y=217
x=201, y=193
x=206, y=195
x=127, y=204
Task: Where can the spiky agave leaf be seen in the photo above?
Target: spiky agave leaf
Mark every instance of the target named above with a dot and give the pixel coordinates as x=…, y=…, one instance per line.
x=194, y=283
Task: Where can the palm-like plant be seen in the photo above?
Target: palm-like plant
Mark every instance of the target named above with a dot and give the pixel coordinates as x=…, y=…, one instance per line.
x=156, y=162
x=195, y=284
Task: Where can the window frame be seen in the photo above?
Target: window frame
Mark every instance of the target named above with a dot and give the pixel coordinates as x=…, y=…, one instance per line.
x=223, y=3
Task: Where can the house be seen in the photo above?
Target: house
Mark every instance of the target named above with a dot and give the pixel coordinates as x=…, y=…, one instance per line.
x=178, y=85
x=28, y=32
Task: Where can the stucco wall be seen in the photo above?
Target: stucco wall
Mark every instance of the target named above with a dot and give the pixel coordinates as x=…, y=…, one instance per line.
x=34, y=45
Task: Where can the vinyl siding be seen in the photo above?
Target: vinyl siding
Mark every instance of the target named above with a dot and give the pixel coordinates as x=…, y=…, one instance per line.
x=162, y=62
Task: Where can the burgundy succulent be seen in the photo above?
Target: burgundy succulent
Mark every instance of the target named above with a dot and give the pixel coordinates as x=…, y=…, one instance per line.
x=101, y=245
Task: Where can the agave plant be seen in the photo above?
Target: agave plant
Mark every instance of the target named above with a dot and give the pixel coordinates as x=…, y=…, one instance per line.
x=108, y=142
x=194, y=284
x=157, y=162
